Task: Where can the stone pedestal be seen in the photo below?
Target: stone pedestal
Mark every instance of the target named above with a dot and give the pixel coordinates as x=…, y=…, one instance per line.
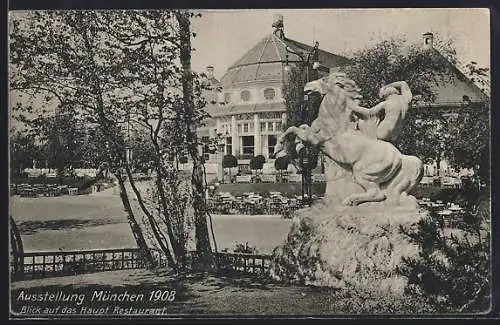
x=335, y=246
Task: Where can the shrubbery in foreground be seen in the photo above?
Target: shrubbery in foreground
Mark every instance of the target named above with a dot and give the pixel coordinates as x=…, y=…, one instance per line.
x=453, y=267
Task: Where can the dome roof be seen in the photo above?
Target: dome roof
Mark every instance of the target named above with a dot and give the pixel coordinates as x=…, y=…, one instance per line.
x=264, y=61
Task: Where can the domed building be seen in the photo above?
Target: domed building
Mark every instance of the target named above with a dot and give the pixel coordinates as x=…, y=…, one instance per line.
x=248, y=112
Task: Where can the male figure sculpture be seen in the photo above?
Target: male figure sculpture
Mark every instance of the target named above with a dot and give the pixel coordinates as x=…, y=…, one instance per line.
x=395, y=106
x=372, y=163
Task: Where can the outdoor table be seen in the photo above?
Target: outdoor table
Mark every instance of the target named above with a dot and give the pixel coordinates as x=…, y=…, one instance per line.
x=449, y=217
x=72, y=191
x=437, y=205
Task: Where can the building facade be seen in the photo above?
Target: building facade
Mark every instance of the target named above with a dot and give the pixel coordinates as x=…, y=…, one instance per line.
x=249, y=112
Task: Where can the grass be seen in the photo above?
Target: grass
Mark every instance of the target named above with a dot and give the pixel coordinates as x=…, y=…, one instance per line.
x=210, y=295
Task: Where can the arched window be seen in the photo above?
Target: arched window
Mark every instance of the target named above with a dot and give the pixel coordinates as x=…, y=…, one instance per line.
x=269, y=93
x=227, y=97
x=245, y=95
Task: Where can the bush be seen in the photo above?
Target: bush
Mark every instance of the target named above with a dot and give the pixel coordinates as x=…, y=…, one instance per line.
x=70, y=181
x=244, y=248
x=453, y=268
x=229, y=161
x=257, y=162
x=281, y=163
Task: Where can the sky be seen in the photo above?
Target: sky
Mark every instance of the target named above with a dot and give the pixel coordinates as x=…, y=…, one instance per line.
x=223, y=36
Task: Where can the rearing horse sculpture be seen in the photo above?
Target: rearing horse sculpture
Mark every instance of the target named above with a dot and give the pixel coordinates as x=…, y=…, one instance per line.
x=377, y=167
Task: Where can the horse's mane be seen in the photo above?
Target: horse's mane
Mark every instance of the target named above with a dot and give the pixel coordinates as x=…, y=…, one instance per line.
x=333, y=117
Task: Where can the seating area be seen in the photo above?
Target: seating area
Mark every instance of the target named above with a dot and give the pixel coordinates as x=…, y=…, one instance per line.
x=273, y=203
x=443, y=181
x=451, y=213
x=81, y=172
x=37, y=190
x=51, y=173
x=271, y=178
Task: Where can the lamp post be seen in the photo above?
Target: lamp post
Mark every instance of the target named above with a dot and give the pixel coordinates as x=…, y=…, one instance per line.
x=220, y=144
x=311, y=61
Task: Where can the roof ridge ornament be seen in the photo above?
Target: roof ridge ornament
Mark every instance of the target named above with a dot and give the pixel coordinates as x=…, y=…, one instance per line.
x=279, y=27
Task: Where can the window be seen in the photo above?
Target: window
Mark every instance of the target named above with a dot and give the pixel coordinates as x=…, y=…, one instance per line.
x=269, y=93
x=245, y=127
x=245, y=95
x=229, y=147
x=262, y=126
x=227, y=97
x=226, y=129
x=270, y=126
x=271, y=144
x=278, y=126
x=247, y=145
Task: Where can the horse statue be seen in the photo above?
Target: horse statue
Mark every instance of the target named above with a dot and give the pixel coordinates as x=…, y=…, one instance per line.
x=361, y=167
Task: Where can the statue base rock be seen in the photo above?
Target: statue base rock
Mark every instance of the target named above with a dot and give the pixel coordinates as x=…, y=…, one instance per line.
x=337, y=246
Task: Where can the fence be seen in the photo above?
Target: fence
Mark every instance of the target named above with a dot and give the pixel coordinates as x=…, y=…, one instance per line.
x=243, y=263
x=58, y=263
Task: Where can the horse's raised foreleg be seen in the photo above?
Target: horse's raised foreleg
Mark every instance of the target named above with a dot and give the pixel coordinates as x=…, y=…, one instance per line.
x=303, y=133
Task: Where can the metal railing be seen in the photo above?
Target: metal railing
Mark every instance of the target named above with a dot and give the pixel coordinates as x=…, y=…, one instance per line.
x=59, y=263
x=243, y=263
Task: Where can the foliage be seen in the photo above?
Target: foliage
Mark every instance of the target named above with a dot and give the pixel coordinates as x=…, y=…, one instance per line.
x=423, y=132
x=469, y=144
x=281, y=163
x=60, y=141
x=119, y=71
x=395, y=59
x=480, y=76
x=229, y=161
x=257, y=162
x=244, y=248
x=64, y=142
x=23, y=150
x=180, y=223
x=300, y=108
x=427, y=133
x=293, y=94
x=359, y=302
x=453, y=267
